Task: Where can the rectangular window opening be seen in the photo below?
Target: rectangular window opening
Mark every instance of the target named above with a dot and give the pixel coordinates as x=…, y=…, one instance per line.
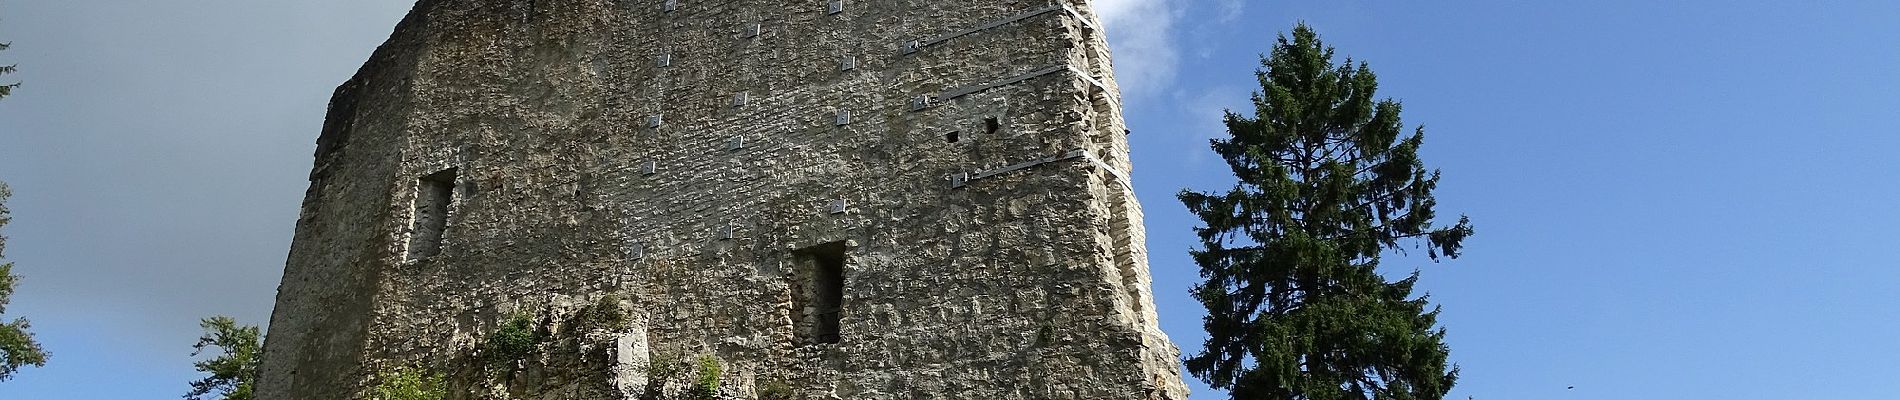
x=818, y=293
x=434, y=194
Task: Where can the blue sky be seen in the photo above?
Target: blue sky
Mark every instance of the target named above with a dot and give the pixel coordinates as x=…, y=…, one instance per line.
x=1673, y=199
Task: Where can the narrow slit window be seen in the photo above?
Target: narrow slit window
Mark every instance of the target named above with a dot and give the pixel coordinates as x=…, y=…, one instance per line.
x=434, y=195
x=818, y=293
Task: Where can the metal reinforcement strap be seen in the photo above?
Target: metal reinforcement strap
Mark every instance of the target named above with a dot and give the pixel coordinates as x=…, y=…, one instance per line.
x=914, y=46
x=1119, y=176
x=1090, y=78
x=967, y=90
x=962, y=179
x=1078, y=16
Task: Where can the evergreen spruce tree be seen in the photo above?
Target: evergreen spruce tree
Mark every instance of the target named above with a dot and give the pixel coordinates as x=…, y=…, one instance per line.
x=1328, y=183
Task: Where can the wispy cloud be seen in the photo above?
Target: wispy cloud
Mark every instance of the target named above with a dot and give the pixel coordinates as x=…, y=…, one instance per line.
x=1206, y=111
x=1230, y=10
x=1142, y=36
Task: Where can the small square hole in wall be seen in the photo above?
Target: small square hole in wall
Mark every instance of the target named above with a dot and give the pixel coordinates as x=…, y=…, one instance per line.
x=991, y=125
x=951, y=137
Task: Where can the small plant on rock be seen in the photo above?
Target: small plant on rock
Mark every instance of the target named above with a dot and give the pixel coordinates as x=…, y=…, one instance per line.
x=661, y=369
x=709, y=371
x=408, y=384
x=776, y=390
x=605, y=314
x=513, y=341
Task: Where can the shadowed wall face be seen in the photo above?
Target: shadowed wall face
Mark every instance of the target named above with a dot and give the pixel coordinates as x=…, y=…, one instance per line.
x=818, y=292
x=892, y=200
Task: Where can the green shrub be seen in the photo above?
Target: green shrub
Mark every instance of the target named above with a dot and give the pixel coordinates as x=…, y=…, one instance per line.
x=513, y=341
x=663, y=367
x=408, y=384
x=776, y=390
x=709, y=370
x=605, y=313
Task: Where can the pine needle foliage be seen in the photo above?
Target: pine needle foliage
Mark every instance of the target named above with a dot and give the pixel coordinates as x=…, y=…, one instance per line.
x=7, y=89
x=1328, y=182
x=234, y=370
x=17, y=347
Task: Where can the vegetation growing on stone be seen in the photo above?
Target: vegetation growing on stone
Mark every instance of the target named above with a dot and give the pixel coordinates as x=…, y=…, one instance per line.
x=1328, y=184
x=606, y=313
x=513, y=341
x=234, y=370
x=404, y=383
x=664, y=367
x=776, y=390
x=661, y=369
x=17, y=347
x=708, y=380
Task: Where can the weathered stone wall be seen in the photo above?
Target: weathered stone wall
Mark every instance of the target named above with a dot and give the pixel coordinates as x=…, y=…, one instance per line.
x=969, y=155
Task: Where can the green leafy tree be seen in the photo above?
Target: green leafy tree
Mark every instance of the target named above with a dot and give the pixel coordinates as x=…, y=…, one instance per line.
x=17, y=347
x=234, y=369
x=1328, y=183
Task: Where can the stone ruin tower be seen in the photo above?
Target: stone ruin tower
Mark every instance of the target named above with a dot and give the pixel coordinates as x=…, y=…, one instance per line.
x=732, y=199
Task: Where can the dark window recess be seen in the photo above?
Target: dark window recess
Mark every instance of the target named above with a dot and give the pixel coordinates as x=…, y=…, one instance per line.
x=950, y=137
x=818, y=293
x=990, y=125
x=434, y=194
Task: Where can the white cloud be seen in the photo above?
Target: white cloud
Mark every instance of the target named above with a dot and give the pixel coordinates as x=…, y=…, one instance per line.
x=1141, y=33
x=1230, y=10
x=1206, y=111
